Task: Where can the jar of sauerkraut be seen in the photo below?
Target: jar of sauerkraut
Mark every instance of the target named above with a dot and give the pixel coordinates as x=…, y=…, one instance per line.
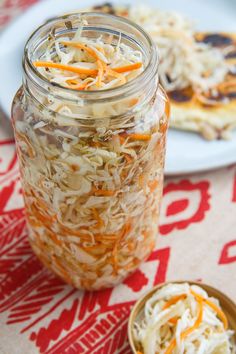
x=90, y=124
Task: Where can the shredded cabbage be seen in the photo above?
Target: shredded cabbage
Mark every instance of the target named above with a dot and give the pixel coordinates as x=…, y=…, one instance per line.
x=183, y=319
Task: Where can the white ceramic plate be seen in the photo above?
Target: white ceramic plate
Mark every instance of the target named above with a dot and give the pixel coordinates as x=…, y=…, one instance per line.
x=186, y=152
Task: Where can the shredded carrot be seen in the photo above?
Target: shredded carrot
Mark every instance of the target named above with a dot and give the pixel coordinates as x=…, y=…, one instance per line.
x=116, y=72
x=45, y=219
x=100, y=222
x=167, y=109
x=75, y=85
x=63, y=273
x=153, y=185
x=73, y=69
x=54, y=238
x=227, y=84
x=141, y=181
x=124, y=174
x=144, y=137
x=112, y=72
x=174, y=320
x=196, y=324
x=214, y=307
x=123, y=69
x=127, y=228
x=100, y=73
x=122, y=139
x=188, y=331
x=81, y=87
x=145, y=233
x=105, y=193
x=41, y=204
x=96, y=144
x=131, y=245
x=72, y=82
x=105, y=237
x=32, y=221
x=174, y=300
x=96, y=249
x=133, y=101
x=128, y=158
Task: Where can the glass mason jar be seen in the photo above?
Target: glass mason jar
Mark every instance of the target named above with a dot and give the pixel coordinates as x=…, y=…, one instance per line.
x=91, y=162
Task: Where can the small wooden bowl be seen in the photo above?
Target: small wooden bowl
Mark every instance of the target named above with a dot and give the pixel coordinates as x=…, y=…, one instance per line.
x=227, y=305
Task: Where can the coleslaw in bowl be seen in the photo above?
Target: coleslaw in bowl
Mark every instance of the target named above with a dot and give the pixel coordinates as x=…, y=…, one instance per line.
x=183, y=317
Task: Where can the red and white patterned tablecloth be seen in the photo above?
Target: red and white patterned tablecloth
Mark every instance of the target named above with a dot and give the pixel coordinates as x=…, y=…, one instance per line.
x=40, y=314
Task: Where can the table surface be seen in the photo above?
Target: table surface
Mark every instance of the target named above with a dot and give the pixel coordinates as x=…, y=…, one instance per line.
x=40, y=314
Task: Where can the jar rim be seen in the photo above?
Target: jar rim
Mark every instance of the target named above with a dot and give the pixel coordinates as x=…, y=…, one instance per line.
x=109, y=94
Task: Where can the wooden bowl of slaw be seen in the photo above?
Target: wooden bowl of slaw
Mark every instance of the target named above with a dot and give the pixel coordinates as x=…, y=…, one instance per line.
x=227, y=305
